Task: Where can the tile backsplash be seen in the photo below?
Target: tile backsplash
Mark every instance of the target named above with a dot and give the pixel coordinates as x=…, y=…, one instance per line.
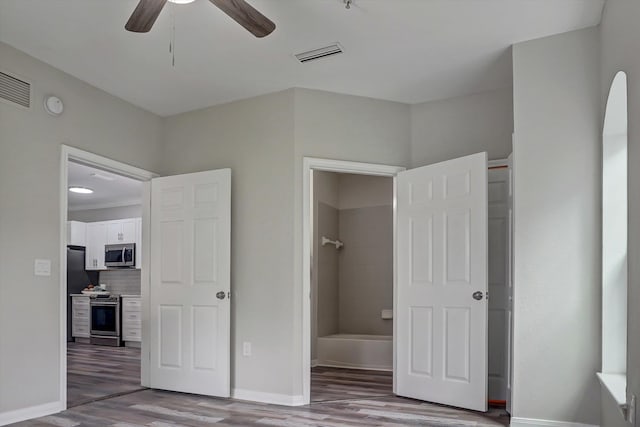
x=123, y=282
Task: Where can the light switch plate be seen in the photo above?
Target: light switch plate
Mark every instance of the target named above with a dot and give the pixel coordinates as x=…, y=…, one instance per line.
x=246, y=349
x=42, y=267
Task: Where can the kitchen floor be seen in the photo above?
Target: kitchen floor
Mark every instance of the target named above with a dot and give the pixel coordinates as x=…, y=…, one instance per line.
x=95, y=372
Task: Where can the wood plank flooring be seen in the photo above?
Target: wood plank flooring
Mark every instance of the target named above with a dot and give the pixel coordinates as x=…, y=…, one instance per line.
x=329, y=384
x=95, y=372
x=339, y=400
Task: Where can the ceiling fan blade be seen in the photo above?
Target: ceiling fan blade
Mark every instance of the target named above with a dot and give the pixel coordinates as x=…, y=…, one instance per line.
x=247, y=16
x=144, y=15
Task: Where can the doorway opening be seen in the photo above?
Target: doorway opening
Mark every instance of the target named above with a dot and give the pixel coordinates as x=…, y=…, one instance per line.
x=351, y=286
x=103, y=206
x=340, y=355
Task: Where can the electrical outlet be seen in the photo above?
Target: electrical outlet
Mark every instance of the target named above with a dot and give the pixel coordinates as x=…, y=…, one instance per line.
x=246, y=349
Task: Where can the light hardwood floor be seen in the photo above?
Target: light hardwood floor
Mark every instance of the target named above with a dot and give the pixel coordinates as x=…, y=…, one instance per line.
x=95, y=372
x=341, y=397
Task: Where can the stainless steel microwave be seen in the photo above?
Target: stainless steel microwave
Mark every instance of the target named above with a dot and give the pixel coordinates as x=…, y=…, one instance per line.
x=120, y=255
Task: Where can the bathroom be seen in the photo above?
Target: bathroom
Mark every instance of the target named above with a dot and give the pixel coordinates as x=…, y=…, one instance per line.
x=352, y=261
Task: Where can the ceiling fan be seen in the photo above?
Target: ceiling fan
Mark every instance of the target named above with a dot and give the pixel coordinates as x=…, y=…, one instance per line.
x=147, y=11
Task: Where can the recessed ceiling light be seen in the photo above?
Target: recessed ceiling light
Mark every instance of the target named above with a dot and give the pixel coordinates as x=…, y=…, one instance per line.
x=180, y=1
x=80, y=190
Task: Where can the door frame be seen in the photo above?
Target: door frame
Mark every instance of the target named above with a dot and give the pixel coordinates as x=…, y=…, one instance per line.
x=69, y=153
x=339, y=166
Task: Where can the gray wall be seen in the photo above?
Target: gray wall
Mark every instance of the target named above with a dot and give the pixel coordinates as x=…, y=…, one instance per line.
x=366, y=269
x=557, y=173
x=29, y=217
x=619, y=37
x=325, y=191
x=105, y=214
x=443, y=130
x=327, y=274
x=346, y=128
x=254, y=138
x=262, y=139
x=366, y=260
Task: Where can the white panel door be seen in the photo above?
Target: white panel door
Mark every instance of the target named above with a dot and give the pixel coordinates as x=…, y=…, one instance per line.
x=190, y=283
x=499, y=304
x=510, y=286
x=441, y=344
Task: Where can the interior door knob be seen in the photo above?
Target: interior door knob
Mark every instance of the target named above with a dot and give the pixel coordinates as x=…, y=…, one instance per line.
x=220, y=295
x=477, y=295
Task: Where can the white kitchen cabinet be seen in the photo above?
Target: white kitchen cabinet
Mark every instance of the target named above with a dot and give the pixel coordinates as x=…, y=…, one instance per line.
x=99, y=234
x=80, y=317
x=131, y=318
x=96, y=239
x=121, y=231
x=76, y=233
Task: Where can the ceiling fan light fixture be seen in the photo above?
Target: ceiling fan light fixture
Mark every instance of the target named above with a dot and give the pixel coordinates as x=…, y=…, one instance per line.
x=80, y=190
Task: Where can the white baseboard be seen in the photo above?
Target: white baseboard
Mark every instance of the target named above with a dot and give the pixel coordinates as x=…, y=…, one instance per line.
x=272, y=398
x=30, y=413
x=533, y=422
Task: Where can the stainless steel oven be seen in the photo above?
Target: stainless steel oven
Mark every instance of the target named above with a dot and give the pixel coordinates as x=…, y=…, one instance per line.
x=105, y=320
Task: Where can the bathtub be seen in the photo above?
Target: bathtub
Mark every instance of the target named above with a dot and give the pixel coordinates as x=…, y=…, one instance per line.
x=373, y=352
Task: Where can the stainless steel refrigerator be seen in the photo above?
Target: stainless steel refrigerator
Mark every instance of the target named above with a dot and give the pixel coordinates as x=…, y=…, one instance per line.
x=77, y=278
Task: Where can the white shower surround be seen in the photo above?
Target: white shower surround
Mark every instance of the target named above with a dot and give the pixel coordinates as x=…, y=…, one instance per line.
x=373, y=352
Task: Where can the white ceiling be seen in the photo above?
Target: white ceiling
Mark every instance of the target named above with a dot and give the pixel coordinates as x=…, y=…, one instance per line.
x=121, y=191
x=402, y=50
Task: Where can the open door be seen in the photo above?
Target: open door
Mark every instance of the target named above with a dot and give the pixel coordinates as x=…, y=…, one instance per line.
x=510, y=289
x=441, y=312
x=190, y=283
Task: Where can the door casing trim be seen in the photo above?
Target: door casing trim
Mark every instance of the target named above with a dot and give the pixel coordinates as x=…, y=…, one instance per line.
x=90, y=159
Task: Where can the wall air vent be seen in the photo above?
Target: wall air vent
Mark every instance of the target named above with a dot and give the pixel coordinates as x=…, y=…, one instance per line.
x=322, y=52
x=14, y=90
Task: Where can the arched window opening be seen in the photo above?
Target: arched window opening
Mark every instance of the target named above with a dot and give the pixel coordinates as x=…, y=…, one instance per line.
x=614, y=229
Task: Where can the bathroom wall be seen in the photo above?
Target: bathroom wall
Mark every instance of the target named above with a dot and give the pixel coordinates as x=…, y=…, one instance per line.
x=324, y=305
x=366, y=261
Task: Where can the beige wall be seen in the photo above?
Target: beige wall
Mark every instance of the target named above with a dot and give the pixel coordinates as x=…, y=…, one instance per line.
x=619, y=35
x=29, y=212
x=450, y=128
x=364, y=191
x=557, y=173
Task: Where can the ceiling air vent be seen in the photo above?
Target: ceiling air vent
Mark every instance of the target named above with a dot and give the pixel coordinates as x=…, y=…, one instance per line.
x=322, y=52
x=15, y=90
